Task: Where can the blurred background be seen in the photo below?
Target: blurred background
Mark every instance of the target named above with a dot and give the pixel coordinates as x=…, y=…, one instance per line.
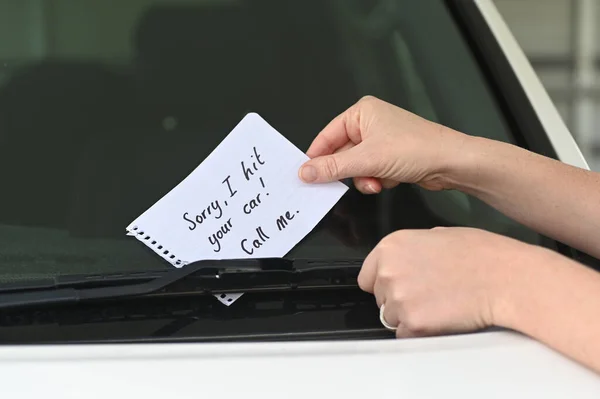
x=562, y=40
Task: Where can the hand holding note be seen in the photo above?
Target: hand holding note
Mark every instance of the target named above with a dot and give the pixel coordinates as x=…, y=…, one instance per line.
x=244, y=200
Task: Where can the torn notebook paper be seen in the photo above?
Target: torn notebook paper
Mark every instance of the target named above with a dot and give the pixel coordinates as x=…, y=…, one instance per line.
x=245, y=200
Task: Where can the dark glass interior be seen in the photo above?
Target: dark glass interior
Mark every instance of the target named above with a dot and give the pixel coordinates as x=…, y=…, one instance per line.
x=104, y=108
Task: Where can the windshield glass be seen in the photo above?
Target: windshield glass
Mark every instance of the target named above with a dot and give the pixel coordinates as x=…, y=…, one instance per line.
x=106, y=106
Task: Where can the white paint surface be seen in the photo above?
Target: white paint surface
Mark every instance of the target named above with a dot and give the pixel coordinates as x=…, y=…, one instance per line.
x=487, y=365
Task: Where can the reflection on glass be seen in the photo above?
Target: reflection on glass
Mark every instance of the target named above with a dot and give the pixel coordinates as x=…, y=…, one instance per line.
x=104, y=109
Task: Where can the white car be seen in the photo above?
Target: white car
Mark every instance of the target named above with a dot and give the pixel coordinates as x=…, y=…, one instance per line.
x=105, y=106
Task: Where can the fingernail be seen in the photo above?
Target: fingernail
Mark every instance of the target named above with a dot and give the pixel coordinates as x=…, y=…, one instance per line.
x=308, y=173
x=371, y=189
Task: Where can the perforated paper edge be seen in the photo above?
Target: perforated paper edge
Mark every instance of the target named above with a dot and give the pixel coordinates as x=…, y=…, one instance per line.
x=141, y=235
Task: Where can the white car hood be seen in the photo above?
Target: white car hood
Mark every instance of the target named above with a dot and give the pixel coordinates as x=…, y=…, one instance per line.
x=487, y=365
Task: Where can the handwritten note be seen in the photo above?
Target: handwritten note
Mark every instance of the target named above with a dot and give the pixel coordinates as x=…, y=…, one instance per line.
x=244, y=200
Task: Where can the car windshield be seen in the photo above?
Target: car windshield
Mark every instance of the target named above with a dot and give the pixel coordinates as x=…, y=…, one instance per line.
x=106, y=106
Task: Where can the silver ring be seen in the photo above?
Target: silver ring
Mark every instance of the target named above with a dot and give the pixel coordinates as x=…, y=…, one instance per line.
x=385, y=323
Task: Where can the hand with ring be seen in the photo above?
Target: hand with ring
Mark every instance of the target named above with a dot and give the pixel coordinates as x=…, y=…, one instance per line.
x=382, y=319
x=429, y=282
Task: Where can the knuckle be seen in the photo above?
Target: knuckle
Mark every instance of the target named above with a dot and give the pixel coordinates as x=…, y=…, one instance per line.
x=386, y=242
x=331, y=167
x=393, y=240
x=396, y=296
x=367, y=98
x=368, y=102
x=440, y=232
x=386, y=275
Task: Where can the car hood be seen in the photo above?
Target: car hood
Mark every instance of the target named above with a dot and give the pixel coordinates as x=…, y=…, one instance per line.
x=491, y=365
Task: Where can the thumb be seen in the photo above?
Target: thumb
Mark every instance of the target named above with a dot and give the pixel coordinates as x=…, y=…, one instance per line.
x=328, y=168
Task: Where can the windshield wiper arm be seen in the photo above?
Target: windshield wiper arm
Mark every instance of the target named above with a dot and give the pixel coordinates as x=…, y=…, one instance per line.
x=209, y=276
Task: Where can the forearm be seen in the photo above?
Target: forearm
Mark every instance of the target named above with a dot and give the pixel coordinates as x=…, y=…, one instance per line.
x=555, y=199
x=556, y=301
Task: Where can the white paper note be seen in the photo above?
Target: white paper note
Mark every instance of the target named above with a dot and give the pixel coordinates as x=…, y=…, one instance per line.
x=244, y=200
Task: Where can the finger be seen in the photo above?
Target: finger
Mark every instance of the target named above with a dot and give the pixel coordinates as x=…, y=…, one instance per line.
x=368, y=272
x=403, y=332
x=345, y=147
x=390, y=314
x=379, y=290
x=329, y=168
x=388, y=183
x=341, y=130
x=367, y=185
x=332, y=137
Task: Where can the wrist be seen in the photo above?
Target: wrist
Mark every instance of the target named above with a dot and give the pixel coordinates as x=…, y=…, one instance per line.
x=464, y=158
x=515, y=291
x=446, y=162
x=472, y=163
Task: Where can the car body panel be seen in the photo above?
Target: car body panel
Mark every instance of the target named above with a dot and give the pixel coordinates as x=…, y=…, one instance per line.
x=491, y=365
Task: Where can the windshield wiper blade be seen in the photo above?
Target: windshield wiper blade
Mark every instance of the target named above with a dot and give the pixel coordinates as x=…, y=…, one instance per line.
x=209, y=276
